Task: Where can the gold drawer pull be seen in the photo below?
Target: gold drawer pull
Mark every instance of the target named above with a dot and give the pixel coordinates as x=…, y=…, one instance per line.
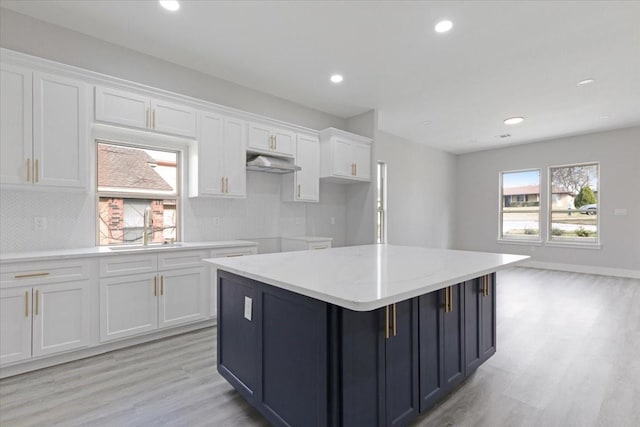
x=29, y=170
x=386, y=322
x=24, y=276
x=37, y=301
x=161, y=285
x=155, y=286
x=233, y=255
x=26, y=303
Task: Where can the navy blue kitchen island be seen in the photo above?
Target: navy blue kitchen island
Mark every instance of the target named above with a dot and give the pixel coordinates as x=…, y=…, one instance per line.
x=309, y=354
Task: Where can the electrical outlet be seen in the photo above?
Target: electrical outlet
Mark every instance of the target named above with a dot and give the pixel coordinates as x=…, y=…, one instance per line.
x=216, y=220
x=39, y=223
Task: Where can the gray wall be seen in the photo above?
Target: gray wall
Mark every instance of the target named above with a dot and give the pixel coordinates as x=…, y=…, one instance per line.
x=28, y=35
x=618, y=152
x=420, y=192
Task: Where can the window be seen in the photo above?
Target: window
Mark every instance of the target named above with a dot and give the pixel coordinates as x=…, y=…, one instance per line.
x=520, y=205
x=573, y=205
x=381, y=207
x=130, y=179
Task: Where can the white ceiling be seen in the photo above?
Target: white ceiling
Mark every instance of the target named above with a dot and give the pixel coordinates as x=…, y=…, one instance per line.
x=451, y=91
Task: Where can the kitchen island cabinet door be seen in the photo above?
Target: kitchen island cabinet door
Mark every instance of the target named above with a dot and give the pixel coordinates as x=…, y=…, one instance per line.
x=488, y=318
x=472, y=324
x=453, y=340
x=401, y=364
x=431, y=351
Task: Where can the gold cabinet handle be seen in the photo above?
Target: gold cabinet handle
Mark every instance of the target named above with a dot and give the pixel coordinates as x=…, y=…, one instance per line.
x=154, y=118
x=395, y=321
x=446, y=299
x=222, y=184
x=29, y=170
x=355, y=169
x=161, y=285
x=226, y=184
x=275, y=142
x=450, y=298
x=386, y=322
x=24, y=276
x=37, y=302
x=298, y=191
x=26, y=303
x=155, y=286
x=233, y=255
x=36, y=171
x=146, y=116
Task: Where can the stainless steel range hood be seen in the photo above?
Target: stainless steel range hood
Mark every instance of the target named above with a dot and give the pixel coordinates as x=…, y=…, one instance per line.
x=264, y=163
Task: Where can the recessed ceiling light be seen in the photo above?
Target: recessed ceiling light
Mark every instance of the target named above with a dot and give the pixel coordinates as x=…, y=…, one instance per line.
x=171, y=5
x=513, y=120
x=585, y=82
x=427, y=122
x=443, y=26
x=336, y=78
x=605, y=117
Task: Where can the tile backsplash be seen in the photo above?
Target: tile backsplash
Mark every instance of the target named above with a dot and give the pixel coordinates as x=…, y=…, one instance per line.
x=262, y=217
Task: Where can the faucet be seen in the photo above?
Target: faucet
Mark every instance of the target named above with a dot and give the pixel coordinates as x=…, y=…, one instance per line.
x=146, y=225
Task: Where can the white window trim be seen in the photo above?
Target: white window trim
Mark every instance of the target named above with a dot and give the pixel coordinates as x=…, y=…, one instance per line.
x=571, y=244
x=536, y=241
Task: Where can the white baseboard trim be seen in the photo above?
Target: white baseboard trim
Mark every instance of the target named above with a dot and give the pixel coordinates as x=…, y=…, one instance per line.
x=588, y=269
x=46, y=361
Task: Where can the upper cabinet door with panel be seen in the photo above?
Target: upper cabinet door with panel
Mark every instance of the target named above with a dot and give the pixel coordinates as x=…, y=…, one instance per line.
x=362, y=161
x=205, y=159
x=139, y=111
x=59, y=131
x=266, y=139
x=304, y=185
x=122, y=108
x=344, y=157
x=173, y=118
x=234, y=157
x=16, y=152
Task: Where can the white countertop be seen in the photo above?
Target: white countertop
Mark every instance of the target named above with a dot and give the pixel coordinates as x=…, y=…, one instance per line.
x=104, y=250
x=364, y=278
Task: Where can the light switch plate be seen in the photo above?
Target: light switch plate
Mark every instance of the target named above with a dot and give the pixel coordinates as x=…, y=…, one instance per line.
x=248, y=302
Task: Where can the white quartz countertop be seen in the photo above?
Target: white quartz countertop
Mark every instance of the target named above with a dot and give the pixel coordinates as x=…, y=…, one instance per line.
x=105, y=250
x=364, y=278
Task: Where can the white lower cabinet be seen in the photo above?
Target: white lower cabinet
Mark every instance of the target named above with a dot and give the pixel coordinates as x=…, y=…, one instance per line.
x=166, y=290
x=43, y=320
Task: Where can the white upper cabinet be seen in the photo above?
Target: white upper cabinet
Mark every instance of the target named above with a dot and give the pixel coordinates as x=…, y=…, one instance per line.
x=139, y=111
x=267, y=139
x=44, y=130
x=217, y=162
x=304, y=185
x=344, y=156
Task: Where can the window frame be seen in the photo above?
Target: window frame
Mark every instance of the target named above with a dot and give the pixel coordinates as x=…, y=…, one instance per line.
x=571, y=243
x=139, y=195
x=536, y=239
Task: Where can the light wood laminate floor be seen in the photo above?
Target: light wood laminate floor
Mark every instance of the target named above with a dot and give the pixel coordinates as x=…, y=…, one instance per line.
x=568, y=355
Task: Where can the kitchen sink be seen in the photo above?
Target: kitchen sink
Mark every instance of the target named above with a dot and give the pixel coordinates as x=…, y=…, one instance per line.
x=144, y=248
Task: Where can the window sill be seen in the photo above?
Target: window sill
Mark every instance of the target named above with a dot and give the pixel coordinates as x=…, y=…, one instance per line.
x=520, y=242
x=575, y=245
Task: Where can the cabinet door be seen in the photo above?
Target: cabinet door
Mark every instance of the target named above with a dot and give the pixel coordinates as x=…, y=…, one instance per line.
x=401, y=364
x=59, y=131
x=60, y=317
x=488, y=319
x=182, y=296
x=122, y=108
x=173, y=118
x=16, y=152
x=128, y=306
x=284, y=142
x=213, y=274
x=362, y=159
x=431, y=351
x=453, y=340
x=15, y=324
x=210, y=147
x=307, y=182
x=472, y=321
x=259, y=137
x=342, y=160
x=234, y=157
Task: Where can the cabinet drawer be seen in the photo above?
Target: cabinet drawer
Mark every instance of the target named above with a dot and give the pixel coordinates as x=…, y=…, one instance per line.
x=231, y=252
x=181, y=259
x=128, y=264
x=31, y=273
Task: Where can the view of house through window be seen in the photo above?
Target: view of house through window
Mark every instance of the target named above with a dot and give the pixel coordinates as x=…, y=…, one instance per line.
x=573, y=206
x=130, y=180
x=520, y=205
x=381, y=206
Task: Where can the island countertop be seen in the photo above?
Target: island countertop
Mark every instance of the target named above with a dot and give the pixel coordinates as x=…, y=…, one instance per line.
x=368, y=277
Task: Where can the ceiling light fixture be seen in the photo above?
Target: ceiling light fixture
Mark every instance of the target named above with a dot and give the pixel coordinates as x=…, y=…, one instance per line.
x=513, y=120
x=336, y=78
x=443, y=26
x=604, y=117
x=585, y=82
x=171, y=5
